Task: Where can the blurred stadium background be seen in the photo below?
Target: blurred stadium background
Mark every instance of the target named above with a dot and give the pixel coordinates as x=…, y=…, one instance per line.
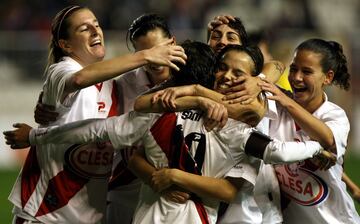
x=24, y=38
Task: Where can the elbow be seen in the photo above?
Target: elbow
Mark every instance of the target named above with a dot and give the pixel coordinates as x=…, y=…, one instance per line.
x=229, y=195
x=78, y=81
x=139, y=105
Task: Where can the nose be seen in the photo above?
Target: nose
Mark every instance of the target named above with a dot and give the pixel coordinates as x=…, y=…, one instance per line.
x=94, y=30
x=222, y=42
x=228, y=76
x=296, y=76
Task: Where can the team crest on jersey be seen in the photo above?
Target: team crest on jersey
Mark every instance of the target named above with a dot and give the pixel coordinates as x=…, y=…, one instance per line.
x=301, y=185
x=92, y=160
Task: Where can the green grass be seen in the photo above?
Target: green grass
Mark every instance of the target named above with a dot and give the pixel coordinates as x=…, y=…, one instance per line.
x=352, y=167
x=7, y=177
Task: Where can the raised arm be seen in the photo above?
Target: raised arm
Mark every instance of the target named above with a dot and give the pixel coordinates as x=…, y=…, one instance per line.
x=162, y=54
x=314, y=127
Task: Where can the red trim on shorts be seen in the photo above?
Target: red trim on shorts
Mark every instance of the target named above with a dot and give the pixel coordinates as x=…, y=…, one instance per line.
x=61, y=189
x=30, y=176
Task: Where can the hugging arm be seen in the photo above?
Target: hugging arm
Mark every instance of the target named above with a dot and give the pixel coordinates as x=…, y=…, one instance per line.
x=174, y=97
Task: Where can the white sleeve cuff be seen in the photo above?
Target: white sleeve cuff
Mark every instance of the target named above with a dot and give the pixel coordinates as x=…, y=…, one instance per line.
x=278, y=152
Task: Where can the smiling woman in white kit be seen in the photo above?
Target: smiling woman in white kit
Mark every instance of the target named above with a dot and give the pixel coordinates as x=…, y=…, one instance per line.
x=68, y=183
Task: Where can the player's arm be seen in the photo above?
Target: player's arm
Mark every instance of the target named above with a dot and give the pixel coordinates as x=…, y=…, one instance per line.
x=352, y=187
x=121, y=131
x=163, y=54
x=202, y=186
x=140, y=166
x=144, y=170
x=77, y=132
x=270, y=150
x=315, y=128
x=184, y=97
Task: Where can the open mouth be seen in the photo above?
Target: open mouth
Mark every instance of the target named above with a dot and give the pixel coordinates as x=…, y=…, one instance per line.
x=95, y=43
x=298, y=89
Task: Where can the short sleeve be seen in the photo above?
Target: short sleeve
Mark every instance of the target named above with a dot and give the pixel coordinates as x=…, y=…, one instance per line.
x=57, y=76
x=338, y=122
x=243, y=170
x=235, y=135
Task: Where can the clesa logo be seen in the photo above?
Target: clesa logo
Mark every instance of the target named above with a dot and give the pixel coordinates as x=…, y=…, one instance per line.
x=92, y=160
x=301, y=185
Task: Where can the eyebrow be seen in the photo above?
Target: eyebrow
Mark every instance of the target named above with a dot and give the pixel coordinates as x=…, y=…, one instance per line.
x=85, y=23
x=232, y=32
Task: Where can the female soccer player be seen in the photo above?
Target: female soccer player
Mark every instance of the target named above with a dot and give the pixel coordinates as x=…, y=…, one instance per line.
x=75, y=64
x=315, y=195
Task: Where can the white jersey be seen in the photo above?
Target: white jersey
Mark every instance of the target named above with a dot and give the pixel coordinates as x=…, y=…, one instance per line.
x=259, y=203
x=215, y=153
x=124, y=186
x=67, y=183
x=312, y=195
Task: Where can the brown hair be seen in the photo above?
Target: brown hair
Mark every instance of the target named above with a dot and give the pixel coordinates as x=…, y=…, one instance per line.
x=59, y=30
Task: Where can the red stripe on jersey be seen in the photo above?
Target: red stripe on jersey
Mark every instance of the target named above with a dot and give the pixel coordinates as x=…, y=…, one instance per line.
x=61, y=189
x=297, y=127
x=121, y=176
x=201, y=210
x=99, y=86
x=30, y=176
x=162, y=131
x=114, y=101
x=176, y=151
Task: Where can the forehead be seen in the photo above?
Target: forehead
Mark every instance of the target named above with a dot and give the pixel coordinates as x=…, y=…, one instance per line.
x=224, y=28
x=238, y=60
x=149, y=40
x=80, y=17
x=307, y=58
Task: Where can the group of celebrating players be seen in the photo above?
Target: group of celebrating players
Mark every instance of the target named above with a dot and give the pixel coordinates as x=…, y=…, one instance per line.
x=189, y=133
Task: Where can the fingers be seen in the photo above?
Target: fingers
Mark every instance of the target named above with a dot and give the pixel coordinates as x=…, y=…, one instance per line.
x=219, y=20
x=166, y=42
x=45, y=114
x=177, y=196
x=237, y=97
x=217, y=116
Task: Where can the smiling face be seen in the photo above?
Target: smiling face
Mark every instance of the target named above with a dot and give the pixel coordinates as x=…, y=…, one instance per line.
x=223, y=35
x=232, y=65
x=152, y=38
x=307, y=79
x=86, y=42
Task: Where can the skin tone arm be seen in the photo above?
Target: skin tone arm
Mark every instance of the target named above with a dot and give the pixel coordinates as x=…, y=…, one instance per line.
x=352, y=187
x=315, y=128
x=200, y=185
x=172, y=98
x=163, y=54
x=163, y=179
